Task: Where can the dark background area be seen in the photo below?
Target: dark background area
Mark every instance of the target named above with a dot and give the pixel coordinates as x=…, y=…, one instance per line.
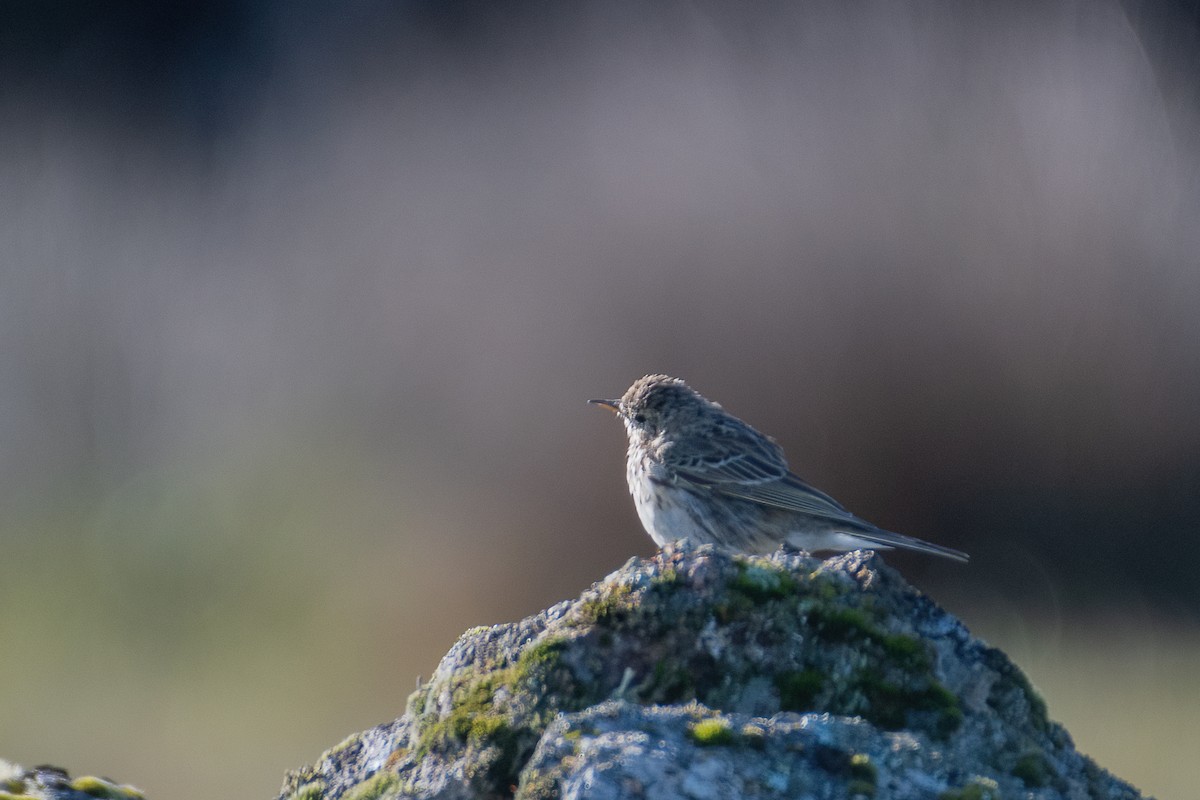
x=301, y=303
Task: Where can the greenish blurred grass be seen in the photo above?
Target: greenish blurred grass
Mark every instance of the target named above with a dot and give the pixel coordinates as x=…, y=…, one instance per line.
x=1128, y=692
x=197, y=631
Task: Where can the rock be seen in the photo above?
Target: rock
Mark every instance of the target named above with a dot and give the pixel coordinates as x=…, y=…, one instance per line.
x=53, y=783
x=698, y=674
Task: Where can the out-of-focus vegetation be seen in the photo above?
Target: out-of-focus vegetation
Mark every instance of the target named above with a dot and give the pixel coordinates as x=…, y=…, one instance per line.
x=134, y=652
x=300, y=304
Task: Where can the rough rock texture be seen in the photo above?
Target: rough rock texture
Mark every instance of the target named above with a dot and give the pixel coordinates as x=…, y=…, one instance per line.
x=697, y=674
x=53, y=783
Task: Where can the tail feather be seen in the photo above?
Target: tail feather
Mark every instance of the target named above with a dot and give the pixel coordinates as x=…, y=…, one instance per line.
x=890, y=539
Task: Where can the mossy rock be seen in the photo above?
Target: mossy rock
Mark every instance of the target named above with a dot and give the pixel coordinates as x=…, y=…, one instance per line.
x=746, y=647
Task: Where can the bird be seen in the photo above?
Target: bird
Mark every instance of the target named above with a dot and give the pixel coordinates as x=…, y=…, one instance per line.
x=696, y=471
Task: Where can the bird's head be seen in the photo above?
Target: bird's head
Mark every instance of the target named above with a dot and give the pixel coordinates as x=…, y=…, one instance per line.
x=656, y=403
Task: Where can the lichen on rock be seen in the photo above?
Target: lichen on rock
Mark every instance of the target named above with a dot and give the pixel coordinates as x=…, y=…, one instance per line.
x=54, y=783
x=697, y=673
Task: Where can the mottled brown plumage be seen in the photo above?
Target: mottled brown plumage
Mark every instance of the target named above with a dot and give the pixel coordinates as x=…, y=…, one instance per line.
x=696, y=471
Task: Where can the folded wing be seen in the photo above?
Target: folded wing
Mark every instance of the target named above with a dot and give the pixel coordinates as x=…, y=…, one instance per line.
x=747, y=465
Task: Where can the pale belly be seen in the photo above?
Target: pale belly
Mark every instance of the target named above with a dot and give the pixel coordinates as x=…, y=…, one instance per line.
x=669, y=513
x=663, y=517
x=668, y=521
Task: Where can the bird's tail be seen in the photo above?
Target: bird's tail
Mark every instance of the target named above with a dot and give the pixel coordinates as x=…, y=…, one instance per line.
x=889, y=539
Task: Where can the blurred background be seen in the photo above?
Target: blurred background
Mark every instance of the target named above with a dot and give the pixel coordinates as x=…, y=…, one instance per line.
x=301, y=302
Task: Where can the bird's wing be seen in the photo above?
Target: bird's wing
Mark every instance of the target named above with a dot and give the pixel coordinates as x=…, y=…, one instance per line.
x=744, y=463
x=792, y=493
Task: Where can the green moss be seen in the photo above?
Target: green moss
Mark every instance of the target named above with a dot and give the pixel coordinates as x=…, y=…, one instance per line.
x=887, y=704
x=344, y=745
x=1011, y=680
x=416, y=702
x=842, y=624
x=845, y=625
x=496, y=716
x=488, y=727
x=977, y=789
x=905, y=648
x=10, y=796
x=668, y=578
x=864, y=777
x=496, y=765
x=733, y=606
x=944, y=703
x=798, y=690
x=711, y=732
x=892, y=706
x=862, y=769
x=670, y=683
x=471, y=701
x=107, y=790
x=857, y=788
x=822, y=587
x=1033, y=770
x=1037, y=706
x=473, y=716
x=309, y=791
x=762, y=583
x=545, y=653
x=539, y=784
x=611, y=605
x=375, y=787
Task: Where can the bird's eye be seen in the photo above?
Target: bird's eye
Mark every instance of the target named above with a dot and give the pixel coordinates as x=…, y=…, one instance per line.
x=639, y=418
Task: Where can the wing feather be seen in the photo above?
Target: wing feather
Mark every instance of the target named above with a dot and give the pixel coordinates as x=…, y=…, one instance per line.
x=745, y=464
x=742, y=463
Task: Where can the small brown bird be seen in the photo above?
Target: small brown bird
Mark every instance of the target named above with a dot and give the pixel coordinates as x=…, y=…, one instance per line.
x=696, y=471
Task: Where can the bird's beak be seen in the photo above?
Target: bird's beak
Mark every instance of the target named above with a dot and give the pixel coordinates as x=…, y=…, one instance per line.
x=612, y=405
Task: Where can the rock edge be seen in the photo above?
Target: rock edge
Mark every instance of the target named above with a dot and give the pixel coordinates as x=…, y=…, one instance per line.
x=698, y=674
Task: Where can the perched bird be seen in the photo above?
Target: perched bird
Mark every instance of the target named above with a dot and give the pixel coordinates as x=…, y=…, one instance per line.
x=696, y=471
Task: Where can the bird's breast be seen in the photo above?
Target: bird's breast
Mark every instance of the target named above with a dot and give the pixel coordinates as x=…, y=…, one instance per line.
x=663, y=508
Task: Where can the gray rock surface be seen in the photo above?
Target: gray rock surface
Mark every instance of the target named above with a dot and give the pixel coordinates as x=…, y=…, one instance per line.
x=54, y=783
x=697, y=674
